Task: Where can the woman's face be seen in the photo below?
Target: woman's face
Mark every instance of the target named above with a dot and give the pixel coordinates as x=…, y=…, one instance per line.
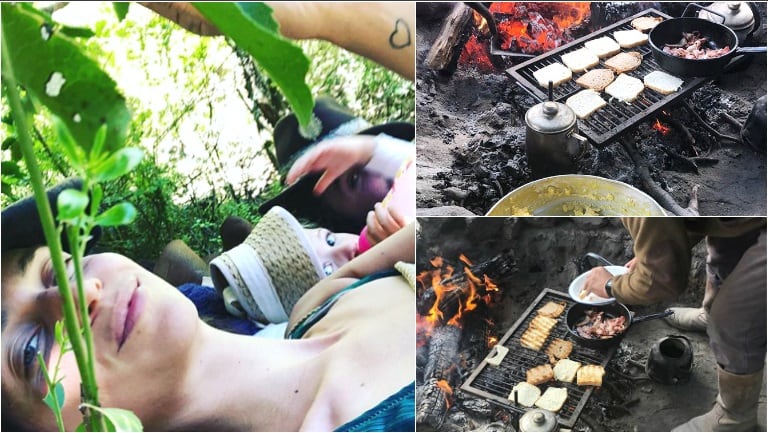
x=333, y=249
x=355, y=192
x=142, y=332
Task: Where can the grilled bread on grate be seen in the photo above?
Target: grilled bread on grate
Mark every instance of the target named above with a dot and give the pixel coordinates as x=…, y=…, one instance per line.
x=552, y=309
x=555, y=72
x=552, y=399
x=527, y=394
x=625, y=88
x=497, y=354
x=565, y=370
x=624, y=62
x=585, y=102
x=590, y=375
x=533, y=338
x=596, y=79
x=603, y=47
x=539, y=374
x=662, y=82
x=630, y=38
x=543, y=323
x=646, y=23
x=580, y=60
x=559, y=349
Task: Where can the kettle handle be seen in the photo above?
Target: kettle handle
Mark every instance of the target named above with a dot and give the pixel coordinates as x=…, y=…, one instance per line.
x=584, y=264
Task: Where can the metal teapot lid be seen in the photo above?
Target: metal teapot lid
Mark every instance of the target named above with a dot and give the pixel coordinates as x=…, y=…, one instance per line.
x=538, y=420
x=738, y=16
x=550, y=117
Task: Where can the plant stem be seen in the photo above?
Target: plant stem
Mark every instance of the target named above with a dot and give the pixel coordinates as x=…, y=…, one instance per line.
x=87, y=376
x=51, y=383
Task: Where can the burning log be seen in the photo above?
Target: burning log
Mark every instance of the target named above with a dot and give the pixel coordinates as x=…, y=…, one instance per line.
x=432, y=403
x=443, y=349
x=447, y=47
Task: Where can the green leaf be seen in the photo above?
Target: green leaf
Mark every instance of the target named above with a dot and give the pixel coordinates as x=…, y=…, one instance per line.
x=10, y=168
x=98, y=142
x=252, y=28
x=8, y=142
x=80, y=428
x=70, y=147
x=121, y=9
x=119, y=214
x=118, y=164
x=71, y=204
x=76, y=32
x=53, y=67
x=121, y=420
x=56, y=400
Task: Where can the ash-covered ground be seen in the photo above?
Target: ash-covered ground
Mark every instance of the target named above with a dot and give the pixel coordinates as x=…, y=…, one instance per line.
x=471, y=134
x=544, y=253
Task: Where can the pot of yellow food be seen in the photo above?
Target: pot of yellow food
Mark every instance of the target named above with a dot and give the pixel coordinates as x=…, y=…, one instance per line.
x=576, y=195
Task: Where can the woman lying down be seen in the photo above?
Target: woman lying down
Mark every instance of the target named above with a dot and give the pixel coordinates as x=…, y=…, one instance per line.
x=347, y=363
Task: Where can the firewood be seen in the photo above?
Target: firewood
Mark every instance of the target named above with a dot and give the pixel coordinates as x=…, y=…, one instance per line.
x=431, y=404
x=443, y=354
x=448, y=44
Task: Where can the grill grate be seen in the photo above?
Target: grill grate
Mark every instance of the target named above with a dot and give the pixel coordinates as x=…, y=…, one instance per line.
x=495, y=383
x=617, y=117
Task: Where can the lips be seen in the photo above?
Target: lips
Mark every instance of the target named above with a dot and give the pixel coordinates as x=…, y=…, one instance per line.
x=126, y=314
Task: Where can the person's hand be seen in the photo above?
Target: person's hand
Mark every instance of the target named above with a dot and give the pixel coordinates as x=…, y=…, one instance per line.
x=631, y=264
x=595, y=282
x=332, y=157
x=383, y=221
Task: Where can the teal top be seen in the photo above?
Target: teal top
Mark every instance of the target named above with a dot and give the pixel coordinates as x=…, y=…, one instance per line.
x=396, y=413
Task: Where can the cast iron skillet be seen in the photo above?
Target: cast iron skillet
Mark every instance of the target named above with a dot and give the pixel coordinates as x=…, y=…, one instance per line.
x=577, y=312
x=671, y=31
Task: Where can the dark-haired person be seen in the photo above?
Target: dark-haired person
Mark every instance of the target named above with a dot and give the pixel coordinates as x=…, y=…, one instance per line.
x=734, y=302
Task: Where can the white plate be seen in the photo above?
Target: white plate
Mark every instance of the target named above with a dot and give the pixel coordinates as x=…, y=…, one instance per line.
x=578, y=283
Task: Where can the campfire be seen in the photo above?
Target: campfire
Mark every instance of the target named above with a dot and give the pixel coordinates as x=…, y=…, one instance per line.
x=679, y=148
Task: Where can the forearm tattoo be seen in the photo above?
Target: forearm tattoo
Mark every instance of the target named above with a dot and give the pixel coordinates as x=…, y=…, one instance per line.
x=401, y=35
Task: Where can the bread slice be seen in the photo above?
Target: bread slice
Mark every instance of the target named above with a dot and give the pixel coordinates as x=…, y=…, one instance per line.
x=565, y=370
x=539, y=374
x=625, y=88
x=580, y=60
x=624, y=62
x=585, y=102
x=556, y=72
x=630, y=38
x=533, y=338
x=603, y=47
x=596, y=79
x=552, y=309
x=590, y=375
x=662, y=82
x=552, y=399
x=543, y=323
x=497, y=355
x=527, y=394
x=559, y=349
x=644, y=24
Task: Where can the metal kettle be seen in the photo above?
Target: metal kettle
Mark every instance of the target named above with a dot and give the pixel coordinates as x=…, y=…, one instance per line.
x=671, y=360
x=538, y=420
x=741, y=17
x=552, y=142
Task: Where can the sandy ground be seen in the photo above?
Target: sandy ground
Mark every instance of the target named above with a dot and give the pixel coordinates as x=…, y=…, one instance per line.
x=545, y=252
x=468, y=112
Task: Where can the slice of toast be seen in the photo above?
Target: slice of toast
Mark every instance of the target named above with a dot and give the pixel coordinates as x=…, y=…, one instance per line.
x=624, y=62
x=556, y=72
x=527, y=394
x=552, y=399
x=630, y=38
x=543, y=323
x=590, y=375
x=497, y=355
x=585, y=102
x=596, y=79
x=559, y=349
x=644, y=24
x=580, y=60
x=552, y=309
x=625, y=88
x=533, y=338
x=662, y=82
x=539, y=374
x=603, y=47
x=565, y=370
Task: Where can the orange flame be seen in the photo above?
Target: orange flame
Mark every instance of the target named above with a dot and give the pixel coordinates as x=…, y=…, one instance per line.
x=492, y=340
x=661, y=127
x=443, y=384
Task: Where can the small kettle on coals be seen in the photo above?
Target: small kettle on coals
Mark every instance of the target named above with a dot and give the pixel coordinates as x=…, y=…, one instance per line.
x=552, y=142
x=671, y=360
x=538, y=420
